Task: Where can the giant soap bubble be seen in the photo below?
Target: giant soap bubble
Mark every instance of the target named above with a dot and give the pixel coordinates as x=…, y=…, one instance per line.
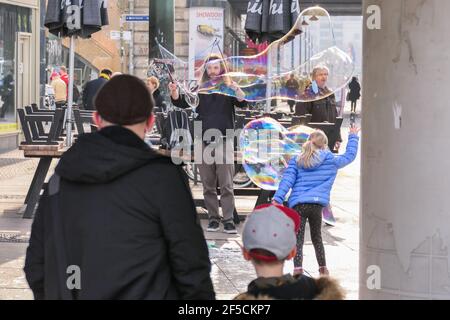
x=267, y=147
x=308, y=49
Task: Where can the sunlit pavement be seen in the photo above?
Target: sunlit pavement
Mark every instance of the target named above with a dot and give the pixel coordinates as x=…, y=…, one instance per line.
x=230, y=272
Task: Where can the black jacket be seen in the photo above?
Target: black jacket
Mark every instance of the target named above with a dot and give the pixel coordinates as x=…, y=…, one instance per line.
x=323, y=110
x=90, y=90
x=216, y=111
x=290, y=287
x=129, y=223
x=159, y=100
x=355, y=90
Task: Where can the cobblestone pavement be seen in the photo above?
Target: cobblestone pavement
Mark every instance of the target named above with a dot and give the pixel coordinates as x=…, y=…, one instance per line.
x=230, y=272
x=13, y=164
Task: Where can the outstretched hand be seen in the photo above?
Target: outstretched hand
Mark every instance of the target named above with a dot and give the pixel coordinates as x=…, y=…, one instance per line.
x=240, y=95
x=234, y=86
x=354, y=129
x=172, y=87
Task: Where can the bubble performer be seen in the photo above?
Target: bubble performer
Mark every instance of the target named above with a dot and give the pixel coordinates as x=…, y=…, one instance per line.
x=216, y=112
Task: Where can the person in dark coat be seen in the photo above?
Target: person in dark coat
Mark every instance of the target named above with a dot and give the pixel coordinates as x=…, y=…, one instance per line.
x=322, y=110
x=153, y=86
x=216, y=113
x=292, y=86
x=355, y=93
x=109, y=214
x=92, y=87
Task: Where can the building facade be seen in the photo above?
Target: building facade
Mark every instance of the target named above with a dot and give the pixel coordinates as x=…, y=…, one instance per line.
x=29, y=54
x=19, y=64
x=191, y=27
x=188, y=27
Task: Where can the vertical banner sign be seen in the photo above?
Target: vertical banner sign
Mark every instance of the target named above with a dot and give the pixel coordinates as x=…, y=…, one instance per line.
x=206, y=25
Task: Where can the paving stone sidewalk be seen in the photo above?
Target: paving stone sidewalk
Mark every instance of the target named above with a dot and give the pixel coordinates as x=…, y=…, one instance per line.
x=230, y=273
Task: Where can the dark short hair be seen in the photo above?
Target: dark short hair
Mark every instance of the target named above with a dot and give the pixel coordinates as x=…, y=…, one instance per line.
x=107, y=71
x=124, y=100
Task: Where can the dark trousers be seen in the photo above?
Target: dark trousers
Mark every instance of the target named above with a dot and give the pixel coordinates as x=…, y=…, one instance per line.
x=291, y=104
x=313, y=214
x=353, y=106
x=221, y=174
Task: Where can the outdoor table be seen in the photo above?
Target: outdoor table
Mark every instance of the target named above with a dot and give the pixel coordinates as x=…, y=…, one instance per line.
x=46, y=153
x=263, y=196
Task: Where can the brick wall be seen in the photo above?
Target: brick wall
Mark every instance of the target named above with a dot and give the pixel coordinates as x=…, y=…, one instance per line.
x=181, y=29
x=141, y=40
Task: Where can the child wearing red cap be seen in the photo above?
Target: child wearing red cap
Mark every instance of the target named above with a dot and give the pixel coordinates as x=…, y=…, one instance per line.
x=269, y=239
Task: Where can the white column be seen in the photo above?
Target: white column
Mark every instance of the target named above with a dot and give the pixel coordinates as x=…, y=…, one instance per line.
x=405, y=185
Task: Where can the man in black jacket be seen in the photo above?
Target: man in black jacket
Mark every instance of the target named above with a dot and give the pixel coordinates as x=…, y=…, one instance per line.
x=321, y=110
x=92, y=87
x=153, y=86
x=216, y=113
x=107, y=226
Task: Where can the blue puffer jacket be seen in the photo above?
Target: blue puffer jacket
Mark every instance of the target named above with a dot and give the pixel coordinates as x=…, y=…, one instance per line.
x=313, y=185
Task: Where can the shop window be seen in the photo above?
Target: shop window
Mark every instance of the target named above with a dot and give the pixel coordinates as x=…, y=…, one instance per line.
x=13, y=19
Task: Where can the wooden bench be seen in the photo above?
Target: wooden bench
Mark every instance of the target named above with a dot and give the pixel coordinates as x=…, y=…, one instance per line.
x=82, y=117
x=263, y=196
x=47, y=153
x=41, y=141
x=35, y=109
x=332, y=130
x=33, y=126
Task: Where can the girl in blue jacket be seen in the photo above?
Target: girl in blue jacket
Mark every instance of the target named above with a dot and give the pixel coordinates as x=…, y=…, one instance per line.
x=311, y=176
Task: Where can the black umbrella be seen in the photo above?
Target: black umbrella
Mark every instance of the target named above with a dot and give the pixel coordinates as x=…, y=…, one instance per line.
x=74, y=18
x=65, y=18
x=269, y=20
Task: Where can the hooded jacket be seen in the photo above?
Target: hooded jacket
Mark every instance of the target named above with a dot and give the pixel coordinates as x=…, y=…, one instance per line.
x=127, y=220
x=313, y=185
x=290, y=287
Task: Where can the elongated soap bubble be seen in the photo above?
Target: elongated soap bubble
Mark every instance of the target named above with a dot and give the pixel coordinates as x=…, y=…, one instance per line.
x=305, y=65
x=289, y=67
x=267, y=147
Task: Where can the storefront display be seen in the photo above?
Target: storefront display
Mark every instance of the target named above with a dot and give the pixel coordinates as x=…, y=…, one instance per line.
x=13, y=19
